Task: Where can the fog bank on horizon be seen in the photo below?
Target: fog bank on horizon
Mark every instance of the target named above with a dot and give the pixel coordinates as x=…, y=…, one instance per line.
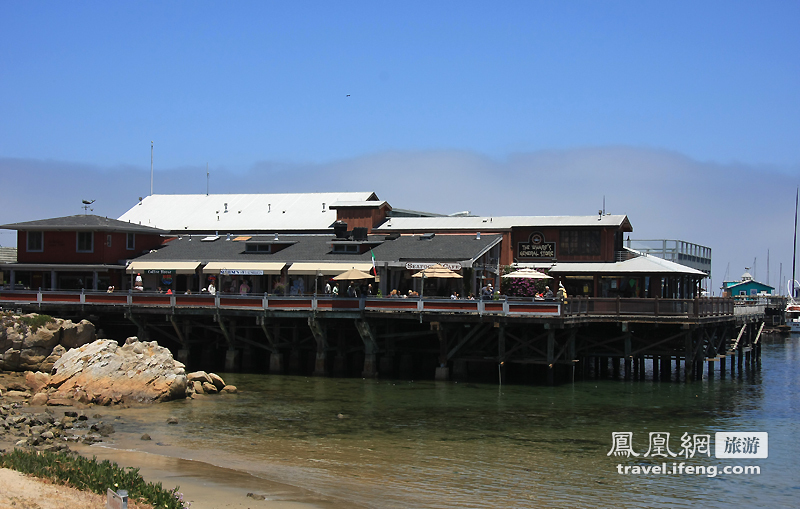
x=740, y=211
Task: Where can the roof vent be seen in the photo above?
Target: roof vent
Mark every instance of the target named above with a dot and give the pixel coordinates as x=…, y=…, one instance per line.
x=228, y=238
x=323, y=206
x=478, y=235
x=210, y=238
x=226, y=207
x=359, y=233
x=427, y=236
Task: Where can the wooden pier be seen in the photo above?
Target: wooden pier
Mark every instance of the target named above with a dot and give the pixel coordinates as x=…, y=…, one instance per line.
x=517, y=341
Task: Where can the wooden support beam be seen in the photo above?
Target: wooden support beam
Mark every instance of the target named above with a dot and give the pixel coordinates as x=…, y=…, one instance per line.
x=321, y=337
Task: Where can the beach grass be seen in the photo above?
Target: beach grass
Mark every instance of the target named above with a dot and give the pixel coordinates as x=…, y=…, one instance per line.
x=91, y=475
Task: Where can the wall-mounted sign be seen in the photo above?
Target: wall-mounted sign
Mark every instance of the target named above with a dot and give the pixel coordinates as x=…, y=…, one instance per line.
x=536, y=247
x=425, y=265
x=160, y=271
x=241, y=272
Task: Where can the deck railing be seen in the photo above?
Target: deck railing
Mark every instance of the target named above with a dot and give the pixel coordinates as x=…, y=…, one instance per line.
x=572, y=307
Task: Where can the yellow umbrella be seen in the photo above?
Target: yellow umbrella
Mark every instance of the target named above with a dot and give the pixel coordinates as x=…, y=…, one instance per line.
x=438, y=271
x=352, y=275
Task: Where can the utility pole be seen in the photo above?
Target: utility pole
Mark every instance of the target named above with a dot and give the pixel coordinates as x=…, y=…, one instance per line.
x=151, y=168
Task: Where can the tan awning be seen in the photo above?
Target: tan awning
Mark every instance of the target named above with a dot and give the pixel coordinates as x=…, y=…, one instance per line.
x=178, y=267
x=244, y=268
x=326, y=269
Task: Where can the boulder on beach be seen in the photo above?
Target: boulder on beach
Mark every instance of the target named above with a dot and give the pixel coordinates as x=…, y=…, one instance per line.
x=34, y=342
x=102, y=372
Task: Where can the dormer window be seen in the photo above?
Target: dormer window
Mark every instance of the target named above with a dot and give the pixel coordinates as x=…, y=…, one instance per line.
x=345, y=248
x=258, y=248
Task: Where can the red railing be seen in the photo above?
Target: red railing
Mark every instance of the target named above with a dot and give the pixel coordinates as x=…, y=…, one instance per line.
x=574, y=306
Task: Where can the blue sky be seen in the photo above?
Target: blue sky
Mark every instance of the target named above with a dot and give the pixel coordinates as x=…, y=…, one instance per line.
x=700, y=96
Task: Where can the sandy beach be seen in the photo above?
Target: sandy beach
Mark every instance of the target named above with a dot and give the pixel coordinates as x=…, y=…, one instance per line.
x=205, y=486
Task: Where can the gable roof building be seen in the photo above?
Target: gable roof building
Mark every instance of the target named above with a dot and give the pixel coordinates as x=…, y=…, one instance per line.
x=243, y=213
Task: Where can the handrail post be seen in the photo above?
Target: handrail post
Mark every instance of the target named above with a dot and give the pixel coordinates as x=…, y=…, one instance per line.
x=172, y=300
x=505, y=307
x=83, y=297
x=216, y=300
x=264, y=301
x=314, y=303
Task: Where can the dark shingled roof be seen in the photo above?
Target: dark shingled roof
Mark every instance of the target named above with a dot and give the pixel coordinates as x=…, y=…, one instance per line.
x=317, y=248
x=87, y=222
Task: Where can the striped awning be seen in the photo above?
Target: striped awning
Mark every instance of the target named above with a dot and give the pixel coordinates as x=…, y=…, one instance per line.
x=326, y=268
x=244, y=268
x=178, y=267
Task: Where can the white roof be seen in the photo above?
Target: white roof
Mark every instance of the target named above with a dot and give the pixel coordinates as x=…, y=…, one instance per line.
x=642, y=265
x=245, y=212
x=476, y=223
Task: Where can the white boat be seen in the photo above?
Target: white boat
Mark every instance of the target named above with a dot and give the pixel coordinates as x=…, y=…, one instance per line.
x=793, y=316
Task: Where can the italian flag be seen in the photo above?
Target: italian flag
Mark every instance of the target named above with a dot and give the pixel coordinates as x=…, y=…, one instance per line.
x=373, y=262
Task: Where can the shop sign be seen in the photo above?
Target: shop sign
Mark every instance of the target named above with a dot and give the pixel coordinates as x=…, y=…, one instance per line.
x=425, y=265
x=241, y=272
x=160, y=271
x=536, y=247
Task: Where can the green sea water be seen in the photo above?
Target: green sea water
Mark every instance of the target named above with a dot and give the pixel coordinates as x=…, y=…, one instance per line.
x=402, y=444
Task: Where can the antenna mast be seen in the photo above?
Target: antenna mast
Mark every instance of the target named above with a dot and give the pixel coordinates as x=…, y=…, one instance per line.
x=794, y=244
x=206, y=178
x=151, y=168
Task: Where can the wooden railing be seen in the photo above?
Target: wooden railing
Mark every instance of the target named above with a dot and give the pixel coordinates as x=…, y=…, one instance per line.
x=699, y=307
x=572, y=307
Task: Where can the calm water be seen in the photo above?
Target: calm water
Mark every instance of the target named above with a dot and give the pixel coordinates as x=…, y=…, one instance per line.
x=446, y=445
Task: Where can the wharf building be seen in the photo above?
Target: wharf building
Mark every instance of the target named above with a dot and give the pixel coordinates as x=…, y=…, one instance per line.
x=271, y=257
x=294, y=243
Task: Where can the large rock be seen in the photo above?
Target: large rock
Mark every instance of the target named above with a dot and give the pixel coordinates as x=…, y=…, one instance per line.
x=103, y=372
x=23, y=348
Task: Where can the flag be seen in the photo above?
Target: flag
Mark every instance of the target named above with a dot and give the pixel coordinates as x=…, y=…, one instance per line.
x=374, y=270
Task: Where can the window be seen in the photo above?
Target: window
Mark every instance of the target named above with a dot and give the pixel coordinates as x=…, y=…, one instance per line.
x=108, y=240
x=35, y=241
x=85, y=242
x=345, y=248
x=579, y=242
x=131, y=242
x=257, y=248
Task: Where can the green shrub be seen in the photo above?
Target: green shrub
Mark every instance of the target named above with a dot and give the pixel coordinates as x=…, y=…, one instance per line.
x=36, y=321
x=91, y=475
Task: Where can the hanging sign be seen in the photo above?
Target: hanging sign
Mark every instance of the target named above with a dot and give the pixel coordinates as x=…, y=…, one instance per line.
x=241, y=272
x=425, y=265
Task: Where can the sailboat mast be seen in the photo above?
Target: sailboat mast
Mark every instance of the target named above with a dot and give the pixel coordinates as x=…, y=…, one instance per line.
x=794, y=252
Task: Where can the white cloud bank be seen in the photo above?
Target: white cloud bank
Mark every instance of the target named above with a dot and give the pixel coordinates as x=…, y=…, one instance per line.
x=739, y=211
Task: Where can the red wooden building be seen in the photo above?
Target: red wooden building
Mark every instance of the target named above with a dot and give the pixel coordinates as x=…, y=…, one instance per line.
x=76, y=252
